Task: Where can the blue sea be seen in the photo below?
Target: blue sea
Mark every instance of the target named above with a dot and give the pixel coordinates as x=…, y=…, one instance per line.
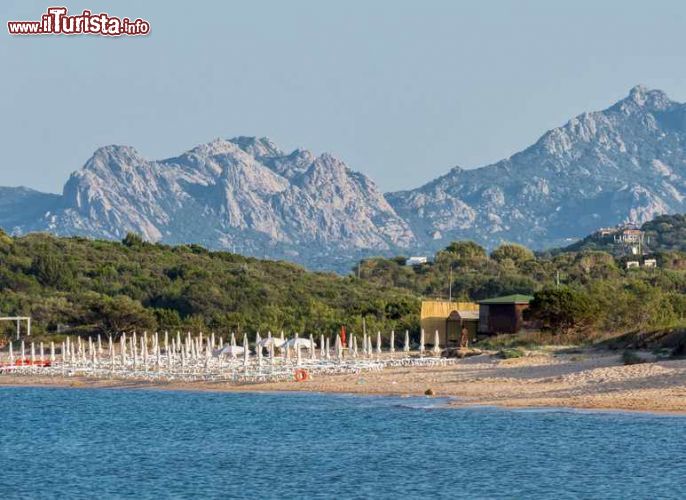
x=81, y=443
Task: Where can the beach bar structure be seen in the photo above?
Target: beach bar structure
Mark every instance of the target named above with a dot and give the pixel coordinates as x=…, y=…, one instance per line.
x=502, y=314
x=449, y=318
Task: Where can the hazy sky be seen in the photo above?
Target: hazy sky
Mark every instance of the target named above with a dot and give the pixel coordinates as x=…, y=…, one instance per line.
x=401, y=91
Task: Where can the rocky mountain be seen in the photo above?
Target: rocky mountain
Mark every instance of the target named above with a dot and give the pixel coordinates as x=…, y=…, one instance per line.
x=243, y=194
x=623, y=164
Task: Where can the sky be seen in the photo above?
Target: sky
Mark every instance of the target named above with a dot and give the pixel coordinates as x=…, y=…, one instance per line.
x=401, y=91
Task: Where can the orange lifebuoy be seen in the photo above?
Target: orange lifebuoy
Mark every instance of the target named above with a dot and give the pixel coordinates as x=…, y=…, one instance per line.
x=301, y=375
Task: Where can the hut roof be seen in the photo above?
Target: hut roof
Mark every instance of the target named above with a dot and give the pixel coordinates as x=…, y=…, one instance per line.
x=509, y=299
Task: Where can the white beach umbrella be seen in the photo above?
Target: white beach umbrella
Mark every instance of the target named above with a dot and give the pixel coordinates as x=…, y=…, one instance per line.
x=52, y=352
x=322, y=348
x=337, y=347
x=272, y=341
x=406, y=345
x=421, y=341
x=122, y=348
x=258, y=349
x=364, y=343
x=437, y=347
x=246, y=350
x=232, y=351
x=392, y=346
x=378, y=342
x=12, y=353
x=313, y=351
x=354, y=350
x=299, y=343
x=328, y=351
x=370, y=348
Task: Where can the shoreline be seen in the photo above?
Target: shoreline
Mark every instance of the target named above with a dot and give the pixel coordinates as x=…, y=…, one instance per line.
x=591, y=381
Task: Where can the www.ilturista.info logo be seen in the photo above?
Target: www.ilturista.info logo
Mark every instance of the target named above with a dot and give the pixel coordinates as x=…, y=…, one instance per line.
x=55, y=21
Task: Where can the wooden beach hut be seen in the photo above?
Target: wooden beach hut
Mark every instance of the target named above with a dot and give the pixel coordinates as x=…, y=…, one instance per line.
x=448, y=318
x=503, y=314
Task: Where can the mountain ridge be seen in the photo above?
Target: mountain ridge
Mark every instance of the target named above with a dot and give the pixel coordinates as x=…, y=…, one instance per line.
x=626, y=163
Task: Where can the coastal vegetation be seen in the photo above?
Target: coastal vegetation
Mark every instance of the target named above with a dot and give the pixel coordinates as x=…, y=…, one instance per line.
x=576, y=293
x=77, y=285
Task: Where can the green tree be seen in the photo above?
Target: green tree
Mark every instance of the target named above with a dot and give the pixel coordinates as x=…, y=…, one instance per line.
x=466, y=250
x=561, y=310
x=516, y=253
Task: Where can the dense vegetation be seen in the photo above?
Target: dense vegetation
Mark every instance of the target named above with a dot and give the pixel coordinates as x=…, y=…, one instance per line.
x=79, y=285
x=586, y=291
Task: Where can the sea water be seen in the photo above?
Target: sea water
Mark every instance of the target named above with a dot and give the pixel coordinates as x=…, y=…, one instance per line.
x=94, y=443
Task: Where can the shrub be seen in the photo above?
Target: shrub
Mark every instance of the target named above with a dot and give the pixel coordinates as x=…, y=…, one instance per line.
x=632, y=358
x=510, y=353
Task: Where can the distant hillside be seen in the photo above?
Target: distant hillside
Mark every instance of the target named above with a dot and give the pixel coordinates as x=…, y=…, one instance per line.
x=75, y=284
x=665, y=233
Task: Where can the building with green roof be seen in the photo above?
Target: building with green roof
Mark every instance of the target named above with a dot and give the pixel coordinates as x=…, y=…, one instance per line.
x=503, y=314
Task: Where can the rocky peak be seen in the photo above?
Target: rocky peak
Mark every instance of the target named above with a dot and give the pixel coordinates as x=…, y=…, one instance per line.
x=262, y=147
x=643, y=99
x=113, y=158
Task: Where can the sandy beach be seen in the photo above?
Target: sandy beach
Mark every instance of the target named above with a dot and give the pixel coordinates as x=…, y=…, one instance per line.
x=592, y=380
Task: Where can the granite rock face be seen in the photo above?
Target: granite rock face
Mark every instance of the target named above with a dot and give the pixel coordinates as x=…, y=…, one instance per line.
x=623, y=164
x=626, y=163
x=243, y=194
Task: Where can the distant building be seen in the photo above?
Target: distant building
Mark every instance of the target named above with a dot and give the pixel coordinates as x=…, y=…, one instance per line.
x=416, y=261
x=502, y=314
x=606, y=231
x=650, y=263
x=630, y=264
x=448, y=318
x=630, y=240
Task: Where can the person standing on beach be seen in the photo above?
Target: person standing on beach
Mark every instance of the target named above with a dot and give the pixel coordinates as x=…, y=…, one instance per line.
x=464, y=337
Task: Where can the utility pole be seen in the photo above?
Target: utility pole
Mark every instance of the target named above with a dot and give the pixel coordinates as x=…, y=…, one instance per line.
x=450, y=285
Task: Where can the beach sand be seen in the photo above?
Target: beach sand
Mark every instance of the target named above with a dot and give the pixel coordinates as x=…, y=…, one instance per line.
x=590, y=380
